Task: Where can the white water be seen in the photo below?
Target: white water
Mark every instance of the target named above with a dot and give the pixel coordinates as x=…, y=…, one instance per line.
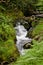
x=21, y=33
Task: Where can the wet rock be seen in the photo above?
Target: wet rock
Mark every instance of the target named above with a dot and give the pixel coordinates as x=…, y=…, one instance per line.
x=38, y=38
x=27, y=46
x=29, y=34
x=4, y=63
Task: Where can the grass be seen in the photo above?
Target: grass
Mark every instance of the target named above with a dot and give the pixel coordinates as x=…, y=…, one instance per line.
x=33, y=56
x=39, y=28
x=38, y=31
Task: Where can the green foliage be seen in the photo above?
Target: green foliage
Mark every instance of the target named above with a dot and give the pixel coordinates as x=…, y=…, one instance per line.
x=39, y=5
x=38, y=30
x=8, y=50
x=33, y=56
x=24, y=5
x=9, y=12
x=5, y=30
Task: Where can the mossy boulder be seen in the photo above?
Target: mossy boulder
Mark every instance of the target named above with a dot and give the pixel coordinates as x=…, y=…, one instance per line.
x=30, y=22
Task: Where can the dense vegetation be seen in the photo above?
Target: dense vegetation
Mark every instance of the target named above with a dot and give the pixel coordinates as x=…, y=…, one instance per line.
x=12, y=11
x=34, y=56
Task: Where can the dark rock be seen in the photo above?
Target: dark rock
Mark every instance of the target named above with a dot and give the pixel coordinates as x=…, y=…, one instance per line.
x=27, y=46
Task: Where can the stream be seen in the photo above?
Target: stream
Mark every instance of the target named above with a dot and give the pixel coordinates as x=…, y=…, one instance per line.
x=21, y=33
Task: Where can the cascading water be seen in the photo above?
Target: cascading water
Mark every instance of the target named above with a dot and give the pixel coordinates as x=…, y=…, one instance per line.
x=21, y=33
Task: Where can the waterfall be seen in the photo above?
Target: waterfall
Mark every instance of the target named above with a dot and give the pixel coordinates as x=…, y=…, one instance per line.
x=21, y=33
